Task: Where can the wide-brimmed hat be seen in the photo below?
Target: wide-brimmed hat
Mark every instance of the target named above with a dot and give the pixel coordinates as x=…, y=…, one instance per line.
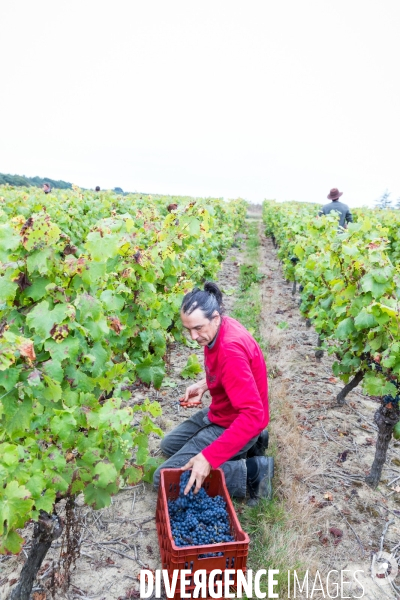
x=334, y=194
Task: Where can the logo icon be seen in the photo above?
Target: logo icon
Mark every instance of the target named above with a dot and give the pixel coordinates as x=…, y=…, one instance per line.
x=384, y=568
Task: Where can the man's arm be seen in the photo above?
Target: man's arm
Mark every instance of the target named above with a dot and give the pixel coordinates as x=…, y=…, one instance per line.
x=252, y=414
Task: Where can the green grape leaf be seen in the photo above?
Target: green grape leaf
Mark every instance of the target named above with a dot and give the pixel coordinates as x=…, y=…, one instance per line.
x=192, y=367
x=9, y=239
x=142, y=455
x=110, y=416
x=12, y=543
x=9, y=377
x=67, y=349
x=101, y=247
x=100, y=356
x=36, y=485
x=41, y=232
x=52, y=391
x=53, y=369
x=97, y=497
x=345, y=328
x=377, y=386
x=79, y=379
x=46, y=501
x=9, y=454
x=37, y=290
x=194, y=227
x=63, y=425
x=151, y=370
x=105, y=473
x=154, y=408
x=39, y=260
x=369, y=284
x=96, y=271
x=365, y=320
x=152, y=463
x=148, y=427
x=89, y=307
x=42, y=319
x=133, y=475
x=15, y=504
x=97, y=329
x=113, y=302
x=54, y=460
x=158, y=343
x=8, y=289
x=20, y=420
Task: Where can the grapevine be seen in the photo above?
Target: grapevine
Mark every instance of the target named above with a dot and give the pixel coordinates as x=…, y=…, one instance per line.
x=90, y=290
x=350, y=289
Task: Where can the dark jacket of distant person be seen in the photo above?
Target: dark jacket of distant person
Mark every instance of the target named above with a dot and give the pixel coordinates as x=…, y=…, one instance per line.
x=345, y=215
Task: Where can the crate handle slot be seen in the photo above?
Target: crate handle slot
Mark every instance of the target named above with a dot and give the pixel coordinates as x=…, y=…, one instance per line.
x=203, y=556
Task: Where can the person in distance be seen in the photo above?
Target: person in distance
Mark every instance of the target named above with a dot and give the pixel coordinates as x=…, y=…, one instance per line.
x=230, y=433
x=345, y=215
x=46, y=188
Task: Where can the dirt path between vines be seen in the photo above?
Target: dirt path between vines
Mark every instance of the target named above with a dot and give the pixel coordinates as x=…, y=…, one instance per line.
x=323, y=454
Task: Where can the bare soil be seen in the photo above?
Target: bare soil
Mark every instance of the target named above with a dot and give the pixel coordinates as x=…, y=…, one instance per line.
x=323, y=455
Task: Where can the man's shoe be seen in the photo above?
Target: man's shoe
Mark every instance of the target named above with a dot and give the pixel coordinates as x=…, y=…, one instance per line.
x=260, y=485
x=260, y=446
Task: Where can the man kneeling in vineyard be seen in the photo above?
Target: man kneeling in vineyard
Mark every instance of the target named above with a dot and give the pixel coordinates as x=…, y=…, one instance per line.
x=233, y=426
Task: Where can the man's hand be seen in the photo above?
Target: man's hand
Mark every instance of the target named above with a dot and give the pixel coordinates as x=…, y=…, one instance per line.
x=194, y=394
x=200, y=469
x=195, y=391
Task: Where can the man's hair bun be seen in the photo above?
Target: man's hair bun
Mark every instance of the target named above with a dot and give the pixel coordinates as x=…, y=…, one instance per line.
x=209, y=300
x=214, y=290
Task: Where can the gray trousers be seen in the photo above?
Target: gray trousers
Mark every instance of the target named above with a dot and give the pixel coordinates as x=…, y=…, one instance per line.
x=190, y=438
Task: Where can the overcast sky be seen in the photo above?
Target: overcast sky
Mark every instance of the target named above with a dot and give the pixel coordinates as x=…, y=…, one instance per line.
x=258, y=99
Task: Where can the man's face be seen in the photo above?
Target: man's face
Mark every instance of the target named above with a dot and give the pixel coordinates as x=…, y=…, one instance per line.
x=201, y=329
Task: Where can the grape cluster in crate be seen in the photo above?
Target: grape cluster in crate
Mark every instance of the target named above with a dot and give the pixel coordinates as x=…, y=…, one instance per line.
x=198, y=519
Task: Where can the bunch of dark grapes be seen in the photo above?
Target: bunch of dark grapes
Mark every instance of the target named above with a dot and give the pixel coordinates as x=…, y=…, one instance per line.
x=198, y=519
x=390, y=400
x=374, y=366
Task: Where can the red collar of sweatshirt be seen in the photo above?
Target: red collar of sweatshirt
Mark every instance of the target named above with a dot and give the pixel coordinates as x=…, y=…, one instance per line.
x=237, y=379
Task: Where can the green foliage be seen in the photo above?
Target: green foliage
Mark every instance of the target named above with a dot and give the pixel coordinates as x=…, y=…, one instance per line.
x=90, y=291
x=192, y=367
x=351, y=286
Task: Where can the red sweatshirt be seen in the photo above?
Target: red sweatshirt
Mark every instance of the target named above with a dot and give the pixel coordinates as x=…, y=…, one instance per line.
x=237, y=379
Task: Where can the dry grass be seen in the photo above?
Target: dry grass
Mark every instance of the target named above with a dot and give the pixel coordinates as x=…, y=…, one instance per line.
x=297, y=461
x=281, y=530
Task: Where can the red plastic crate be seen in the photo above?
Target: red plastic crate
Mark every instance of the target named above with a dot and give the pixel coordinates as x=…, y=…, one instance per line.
x=188, y=557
